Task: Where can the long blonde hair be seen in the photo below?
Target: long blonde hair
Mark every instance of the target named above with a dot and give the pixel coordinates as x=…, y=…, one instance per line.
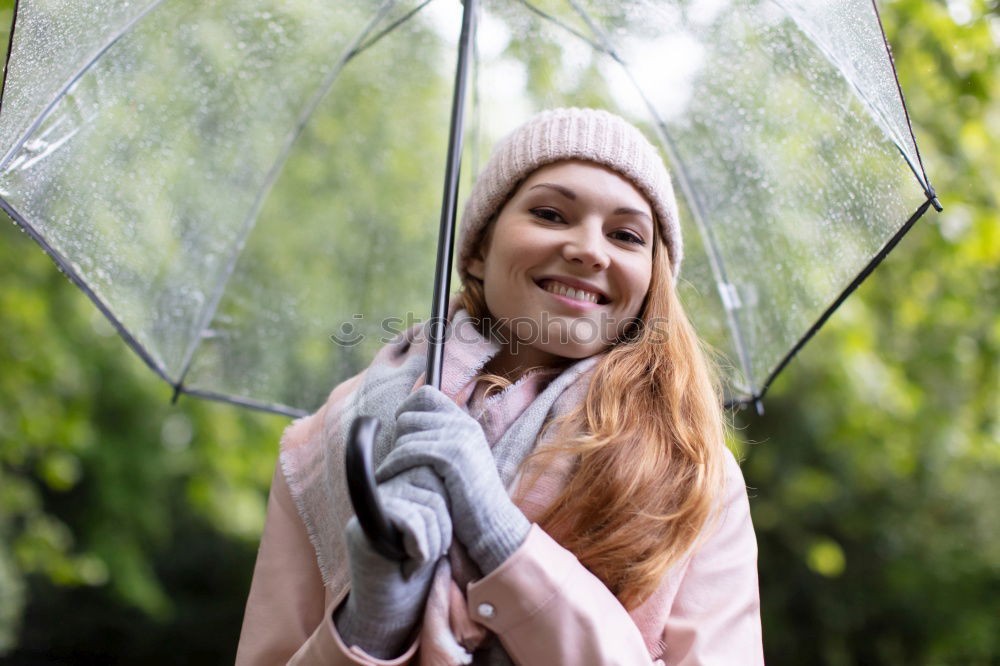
x=647, y=469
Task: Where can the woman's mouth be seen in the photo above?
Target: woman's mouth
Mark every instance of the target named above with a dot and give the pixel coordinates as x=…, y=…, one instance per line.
x=571, y=295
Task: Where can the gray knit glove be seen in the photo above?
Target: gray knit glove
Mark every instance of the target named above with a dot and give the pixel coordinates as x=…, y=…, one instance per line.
x=432, y=430
x=387, y=598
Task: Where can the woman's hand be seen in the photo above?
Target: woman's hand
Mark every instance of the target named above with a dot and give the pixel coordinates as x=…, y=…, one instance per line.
x=387, y=597
x=432, y=431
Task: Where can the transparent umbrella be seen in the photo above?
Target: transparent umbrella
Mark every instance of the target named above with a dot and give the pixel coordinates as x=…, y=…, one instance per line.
x=249, y=190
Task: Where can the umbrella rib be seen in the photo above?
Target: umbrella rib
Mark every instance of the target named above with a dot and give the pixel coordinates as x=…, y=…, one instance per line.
x=10, y=47
x=711, y=244
x=67, y=268
x=865, y=272
x=274, y=408
x=568, y=28
x=928, y=188
x=392, y=26
x=213, y=303
x=36, y=123
x=920, y=174
x=697, y=207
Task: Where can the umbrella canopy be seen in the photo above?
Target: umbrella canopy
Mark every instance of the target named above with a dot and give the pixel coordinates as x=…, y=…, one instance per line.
x=250, y=190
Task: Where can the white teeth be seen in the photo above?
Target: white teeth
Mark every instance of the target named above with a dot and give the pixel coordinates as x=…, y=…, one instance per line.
x=576, y=294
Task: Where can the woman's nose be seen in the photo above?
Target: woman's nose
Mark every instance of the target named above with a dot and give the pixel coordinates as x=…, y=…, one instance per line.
x=585, y=246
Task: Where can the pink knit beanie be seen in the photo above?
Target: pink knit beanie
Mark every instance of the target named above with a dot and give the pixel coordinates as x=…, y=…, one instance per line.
x=561, y=134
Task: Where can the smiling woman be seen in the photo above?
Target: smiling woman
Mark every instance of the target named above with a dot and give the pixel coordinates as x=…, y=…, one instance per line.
x=586, y=513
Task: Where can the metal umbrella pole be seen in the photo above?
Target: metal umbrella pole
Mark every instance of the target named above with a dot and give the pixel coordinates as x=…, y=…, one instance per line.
x=382, y=534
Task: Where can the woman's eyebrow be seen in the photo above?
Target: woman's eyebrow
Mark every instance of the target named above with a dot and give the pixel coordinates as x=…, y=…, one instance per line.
x=565, y=191
x=633, y=211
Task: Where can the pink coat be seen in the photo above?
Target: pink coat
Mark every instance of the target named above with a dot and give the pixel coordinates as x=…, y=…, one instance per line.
x=546, y=608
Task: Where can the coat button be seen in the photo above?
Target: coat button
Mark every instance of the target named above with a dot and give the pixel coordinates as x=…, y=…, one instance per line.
x=486, y=610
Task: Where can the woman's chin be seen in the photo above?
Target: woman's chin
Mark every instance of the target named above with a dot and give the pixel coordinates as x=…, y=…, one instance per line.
x=570, y=352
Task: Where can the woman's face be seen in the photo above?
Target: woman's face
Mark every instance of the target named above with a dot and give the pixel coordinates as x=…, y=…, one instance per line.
x=568, y=261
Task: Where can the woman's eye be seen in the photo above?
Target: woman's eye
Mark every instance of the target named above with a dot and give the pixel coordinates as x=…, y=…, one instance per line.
x=546, y=214
x=628, y=236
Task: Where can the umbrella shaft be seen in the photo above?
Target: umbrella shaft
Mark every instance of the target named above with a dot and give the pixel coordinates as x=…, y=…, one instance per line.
x=449, y=203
